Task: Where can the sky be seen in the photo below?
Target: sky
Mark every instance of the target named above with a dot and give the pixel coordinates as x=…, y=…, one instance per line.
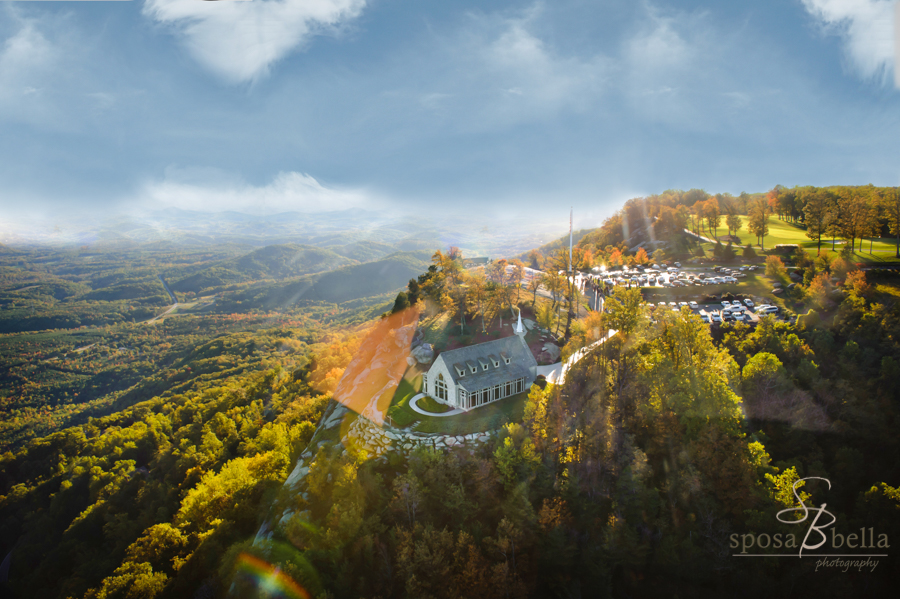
x=437, y=107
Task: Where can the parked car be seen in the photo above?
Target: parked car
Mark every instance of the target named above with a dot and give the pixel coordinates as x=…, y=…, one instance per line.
x=726, y=303
x=748, y=302
x=693, y=305
x=715, y=318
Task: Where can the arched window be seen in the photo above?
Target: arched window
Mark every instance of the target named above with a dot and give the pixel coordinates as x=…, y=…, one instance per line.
x=440, y=388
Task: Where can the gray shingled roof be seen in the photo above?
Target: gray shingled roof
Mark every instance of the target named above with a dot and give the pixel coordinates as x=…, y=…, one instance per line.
x=521, y=361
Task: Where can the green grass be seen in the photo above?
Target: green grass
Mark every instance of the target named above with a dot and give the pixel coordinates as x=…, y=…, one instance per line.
x=429, y=404
x=436, y=330
x=400, y=412
x=489, y=417
x=781, y=232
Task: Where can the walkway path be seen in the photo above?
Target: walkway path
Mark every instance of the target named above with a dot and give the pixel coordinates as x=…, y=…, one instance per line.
x=556, y=373
x=414, y=404
x=703, y=237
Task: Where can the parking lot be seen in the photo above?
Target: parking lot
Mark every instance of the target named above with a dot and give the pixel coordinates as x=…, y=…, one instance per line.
x=654, y=278
x=717, y=313
x=671, y=276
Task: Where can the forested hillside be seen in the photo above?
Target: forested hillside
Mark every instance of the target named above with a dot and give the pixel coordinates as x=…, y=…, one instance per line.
x=662, y=459
x=275, y=262
x=340, y=285
x=86, y=331
x=666, y=455
x=151, y=497
x=812, y=217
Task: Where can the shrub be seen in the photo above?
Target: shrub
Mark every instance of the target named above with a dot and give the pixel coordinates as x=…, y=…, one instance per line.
x=808, y=320
x=775, y=267
x=840, y=266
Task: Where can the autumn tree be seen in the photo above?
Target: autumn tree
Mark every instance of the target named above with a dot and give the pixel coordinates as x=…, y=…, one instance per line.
x=534, y=283
x=480, y=295
x=890, y=202
x=775, y=268
x=713, y=216
x=759, y=220
x=734, y=223
x=516, y=274
x=857, y=284
x=818, y=290
x=816, y=215
x=641, y=256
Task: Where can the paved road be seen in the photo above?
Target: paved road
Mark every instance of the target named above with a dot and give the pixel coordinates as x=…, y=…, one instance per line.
x=171, y=308
x=169, y=291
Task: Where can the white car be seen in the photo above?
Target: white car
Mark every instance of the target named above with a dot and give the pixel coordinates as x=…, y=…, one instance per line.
x=705, y=318
x=726, y=303
x=678, y=264
x=693, y=305
x=682, y=304
x=748, y=302
x=716, y=318
x=739, y=317
x=767, y=309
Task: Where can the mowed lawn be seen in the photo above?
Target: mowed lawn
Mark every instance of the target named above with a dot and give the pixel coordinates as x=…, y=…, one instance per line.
x=883, y=250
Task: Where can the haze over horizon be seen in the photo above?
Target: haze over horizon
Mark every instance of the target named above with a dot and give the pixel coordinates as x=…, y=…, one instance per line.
x=275, y=106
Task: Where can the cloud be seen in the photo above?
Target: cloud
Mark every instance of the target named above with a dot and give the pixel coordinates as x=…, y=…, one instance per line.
x=521, y=64
x=867, y=28
x=240, y=40
x=499, y=71
x=26, y=60
x=666, y=66
x=212, y=190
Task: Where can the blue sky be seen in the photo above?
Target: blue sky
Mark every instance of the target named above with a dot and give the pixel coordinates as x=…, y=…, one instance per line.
x=431, y=106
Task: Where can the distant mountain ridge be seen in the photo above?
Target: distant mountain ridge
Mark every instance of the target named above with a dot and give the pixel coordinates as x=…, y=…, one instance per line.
x=340, y=285
x=358, y=234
